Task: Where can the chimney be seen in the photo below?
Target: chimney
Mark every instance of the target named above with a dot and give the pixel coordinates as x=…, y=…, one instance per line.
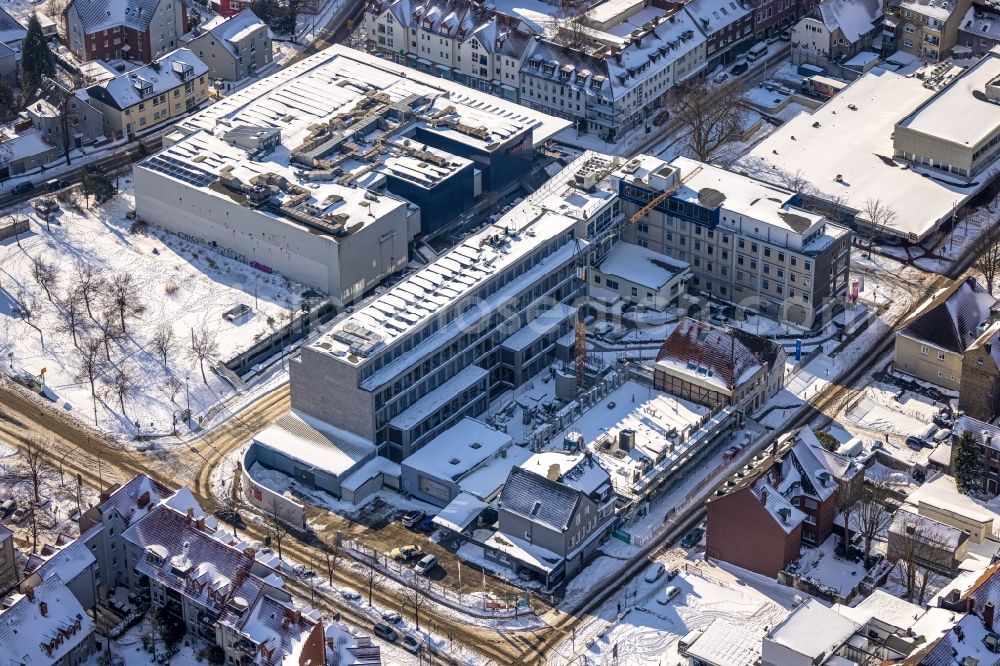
x=30, y=593
x=911, y=528
x=200, y=523
x=250, y=552
x=284, y=622
x=763, y=495
x=190, y=516
x=43, y=608
x=143, y=499
x=988, y=610
x=296, y=616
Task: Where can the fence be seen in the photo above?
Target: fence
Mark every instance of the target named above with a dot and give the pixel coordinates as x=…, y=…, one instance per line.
x=295, y=330
x=269, y=501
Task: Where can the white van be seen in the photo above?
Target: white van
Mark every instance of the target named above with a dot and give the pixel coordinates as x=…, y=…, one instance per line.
x=425, y=565
x=757, y=51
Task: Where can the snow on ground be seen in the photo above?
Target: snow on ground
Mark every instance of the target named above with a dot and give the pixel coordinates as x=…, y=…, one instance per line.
x=822, y=567
x=887, y=409
x=179, y=286
x=638, y=629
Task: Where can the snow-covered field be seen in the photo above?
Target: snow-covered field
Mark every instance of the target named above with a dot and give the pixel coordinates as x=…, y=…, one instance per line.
x=179, y=290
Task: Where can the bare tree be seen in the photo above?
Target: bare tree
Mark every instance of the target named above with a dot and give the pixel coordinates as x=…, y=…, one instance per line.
x=796, y=182
x=275, y=526
x=45, y=274
x=31, y=464
x=919, y=552
x=987, y=253
x=231, y=502
x=107, y=321
x=90, y=284
x=872, y=516
x=415, y=597
x=90, y=366
x=711, y=115
x=68, y=107
x=372, y=576
x=164, y=341
x=203, y=346
x=879, y=215
x=73, y=312
x=847, y=500
x=332, y=558
x=123, y=294
x=122, y=385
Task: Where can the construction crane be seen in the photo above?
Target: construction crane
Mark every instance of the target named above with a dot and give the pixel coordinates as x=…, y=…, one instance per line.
x=660, y=198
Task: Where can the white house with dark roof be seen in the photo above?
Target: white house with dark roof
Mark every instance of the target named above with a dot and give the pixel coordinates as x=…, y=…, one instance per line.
x=138, y=30
x=836, y=29
x=932, y=341
x=811, y=634
x=46, y=625
x=233, y=48
x=555, y=510
x=640, y=276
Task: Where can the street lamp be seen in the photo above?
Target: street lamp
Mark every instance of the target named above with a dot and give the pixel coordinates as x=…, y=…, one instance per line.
x=187, y=394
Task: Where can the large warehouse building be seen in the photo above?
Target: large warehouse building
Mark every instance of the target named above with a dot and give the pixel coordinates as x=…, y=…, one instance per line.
x=326, y=170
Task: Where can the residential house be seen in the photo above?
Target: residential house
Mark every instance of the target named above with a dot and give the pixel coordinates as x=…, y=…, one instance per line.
x=9, y=574
x=979, y=32
x=772, y=16
x=76, y=566
x=987, y=438
x=12, y=32
x=46, y=625
x=555, y=510
x=727, y=26
x=810, y=635
x=793, y=500
x=24, y=152
x=136, y=101
x=939, y=498
x=84, y=122
x=719, y=367
x=140, y=30
x=836, y=30
x=924, y=28
x=748, y=242
x=979, y=391
x=931, y=342
x=233, y=48
x=9, y=70
x=972, y=638
x=639, y=276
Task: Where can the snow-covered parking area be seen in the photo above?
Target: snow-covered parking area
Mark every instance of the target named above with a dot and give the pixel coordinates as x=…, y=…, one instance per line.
x=141, y=297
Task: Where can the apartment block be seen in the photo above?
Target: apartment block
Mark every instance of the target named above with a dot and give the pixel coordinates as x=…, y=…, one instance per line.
x=747, y=242
x=926, y=28
x=139, y=30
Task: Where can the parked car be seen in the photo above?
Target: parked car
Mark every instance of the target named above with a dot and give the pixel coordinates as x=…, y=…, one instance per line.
x=785, y=35
x=527, y=575
x=654, y=572
x=22, y=188
x=411, y=644
x=230, y=516
x=426, y=565
x=721, y=77
x=385, y=632
x=673, y=573
x=916, y=443
x=692, y=538
x=7, y=507
x=739, y=67
x=392, y=617
x=668, y=594
x=412, y=518
x=350, y=595
x=405, y=553
x=56, y=184
x=719, y=320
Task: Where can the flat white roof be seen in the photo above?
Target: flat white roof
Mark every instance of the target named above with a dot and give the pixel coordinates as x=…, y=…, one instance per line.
x=315, y=443
x=539, y=326
x=458, y=450
x=960, y=113
x=640, y=265
x=813, y=629
x=862, y=156
x=579, y=470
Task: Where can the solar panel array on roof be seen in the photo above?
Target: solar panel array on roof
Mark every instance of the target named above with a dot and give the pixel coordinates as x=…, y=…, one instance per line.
x=175, y=168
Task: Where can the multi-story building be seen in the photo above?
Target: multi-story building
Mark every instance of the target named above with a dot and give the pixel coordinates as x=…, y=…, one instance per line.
x=987, y=438
x=925, y=28
x=84, y=122
x=719, y=367
x=727, y=25
x=432, y=350
x=979, y=390
x=608, y=74
x=836, y=30
x=46, y=625
x=979, y=32
x=233, y=48
x=165, y=89
x=747, y=242
x=555, y=510
x=12, y=33
x=772, y=16
x=932, y=341
x=8, y=560
x=140, y=30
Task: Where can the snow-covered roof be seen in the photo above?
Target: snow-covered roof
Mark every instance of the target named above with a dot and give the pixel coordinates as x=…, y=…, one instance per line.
x=134, y=499
x=820, y=470
x=641, y=266
x=811, y=630
x=277, y=629
x=460, y=512
x=980, y=22
x=950, y=319
x=316, y=443
x=986, y=434
x=68, y=562
x=785, y=516
x=368, y=471
x=578, y=471
x=940, y=492
x=859, y=61
x=22, y=146
x=937, y=9
x=863, y=135
x=231, y=31
x=344, y=648
x=465, y=379
x=539, y=499
x=161, y=76
x=411, y=304
x=964, y=644
x=11, y=30
x=935, y=534
x=723, y=642
x=459, y=450
x=44, y=629
x=97, y=15
x=522, y=551
x=961, y=113
x=488, y=480
x=716, y=15
x=854, y=17
x=884, y=607
x=539, y=326
x=708, y=354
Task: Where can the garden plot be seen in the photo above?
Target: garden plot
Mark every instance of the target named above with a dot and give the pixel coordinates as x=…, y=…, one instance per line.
x=174, y=291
